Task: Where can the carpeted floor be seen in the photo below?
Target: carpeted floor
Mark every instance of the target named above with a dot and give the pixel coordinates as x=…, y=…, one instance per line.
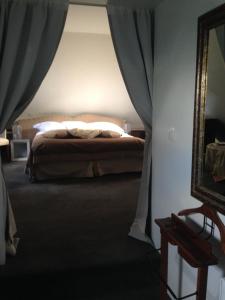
x=74, y=242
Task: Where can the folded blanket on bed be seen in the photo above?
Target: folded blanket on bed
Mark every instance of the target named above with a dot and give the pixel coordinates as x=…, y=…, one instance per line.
x=43, y=145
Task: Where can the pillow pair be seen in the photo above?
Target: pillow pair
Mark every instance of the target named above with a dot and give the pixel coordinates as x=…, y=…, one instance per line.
x=108, y=130
x=92, y=133
x=51, y=129
x=93, y=129
x=102, y=126
x=79, y=129
x=106, y=127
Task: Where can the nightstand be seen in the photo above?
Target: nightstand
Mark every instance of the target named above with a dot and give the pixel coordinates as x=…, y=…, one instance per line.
x=4, y=144
x=138, y=133
x=20, y=149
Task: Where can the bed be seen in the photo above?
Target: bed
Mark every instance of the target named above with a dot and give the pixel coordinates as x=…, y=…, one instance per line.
x=70, y=157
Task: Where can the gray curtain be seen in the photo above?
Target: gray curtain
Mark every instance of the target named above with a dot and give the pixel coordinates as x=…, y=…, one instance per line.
x=30, y=31
x=131, y=30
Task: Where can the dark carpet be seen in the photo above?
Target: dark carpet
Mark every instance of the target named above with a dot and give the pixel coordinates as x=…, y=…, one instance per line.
x=74, y=242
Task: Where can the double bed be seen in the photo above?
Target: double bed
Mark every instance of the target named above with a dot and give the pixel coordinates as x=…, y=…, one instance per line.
x=53, y=157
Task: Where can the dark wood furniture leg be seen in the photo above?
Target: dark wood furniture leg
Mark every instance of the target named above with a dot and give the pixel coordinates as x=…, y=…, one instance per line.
x=191, y=246
x=202, y=283
x=164, y=268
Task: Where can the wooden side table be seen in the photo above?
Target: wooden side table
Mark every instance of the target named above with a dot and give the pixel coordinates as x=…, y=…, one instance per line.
x=195, y=250
x=4, y=143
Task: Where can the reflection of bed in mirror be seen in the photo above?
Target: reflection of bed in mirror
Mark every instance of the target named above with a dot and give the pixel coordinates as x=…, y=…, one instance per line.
x=214, y=129
x=215, y=161
x=214, y=135
x=214, y=154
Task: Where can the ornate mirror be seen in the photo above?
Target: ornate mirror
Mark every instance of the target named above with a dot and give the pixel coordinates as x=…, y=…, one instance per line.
x=208, y=162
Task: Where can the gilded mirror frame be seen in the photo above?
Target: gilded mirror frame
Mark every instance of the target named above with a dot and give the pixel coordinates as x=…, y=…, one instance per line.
x=206, y=22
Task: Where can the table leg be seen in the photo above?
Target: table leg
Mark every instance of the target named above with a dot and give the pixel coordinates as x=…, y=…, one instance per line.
x=202, y=283
x=164, y=268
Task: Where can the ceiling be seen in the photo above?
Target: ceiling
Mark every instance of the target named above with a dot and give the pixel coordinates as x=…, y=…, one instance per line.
x=87, y=19
x=92, y=18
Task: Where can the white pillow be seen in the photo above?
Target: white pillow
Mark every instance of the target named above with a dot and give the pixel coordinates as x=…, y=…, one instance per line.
x=48, y=125
x=84, y=133
x=110, y=134
x=74, y=124
x=56, y=134
x=106, y=126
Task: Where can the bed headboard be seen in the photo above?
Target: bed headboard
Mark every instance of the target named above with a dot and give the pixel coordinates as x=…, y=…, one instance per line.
x=28, y=132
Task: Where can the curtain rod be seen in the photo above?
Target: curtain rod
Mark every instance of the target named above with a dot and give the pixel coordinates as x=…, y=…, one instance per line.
x=87, y=4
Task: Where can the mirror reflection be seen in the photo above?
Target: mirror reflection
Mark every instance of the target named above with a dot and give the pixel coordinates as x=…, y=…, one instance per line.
x=213, y=161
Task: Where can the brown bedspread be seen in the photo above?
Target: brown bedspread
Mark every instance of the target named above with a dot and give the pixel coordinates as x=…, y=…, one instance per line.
x=42, y=145
x=59, y=158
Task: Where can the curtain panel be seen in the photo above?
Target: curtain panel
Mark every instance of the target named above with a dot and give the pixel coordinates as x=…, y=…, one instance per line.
x=131, y=30
x=30, y=31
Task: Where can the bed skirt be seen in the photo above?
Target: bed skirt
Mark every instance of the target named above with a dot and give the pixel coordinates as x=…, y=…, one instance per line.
x=68, y=169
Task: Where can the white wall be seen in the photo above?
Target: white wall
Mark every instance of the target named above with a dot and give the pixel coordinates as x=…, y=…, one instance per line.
x=84, y=76
x=174, y=88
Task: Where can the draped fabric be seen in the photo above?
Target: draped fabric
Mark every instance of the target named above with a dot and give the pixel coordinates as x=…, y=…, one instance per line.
x=131, y=30
x=30, y=31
